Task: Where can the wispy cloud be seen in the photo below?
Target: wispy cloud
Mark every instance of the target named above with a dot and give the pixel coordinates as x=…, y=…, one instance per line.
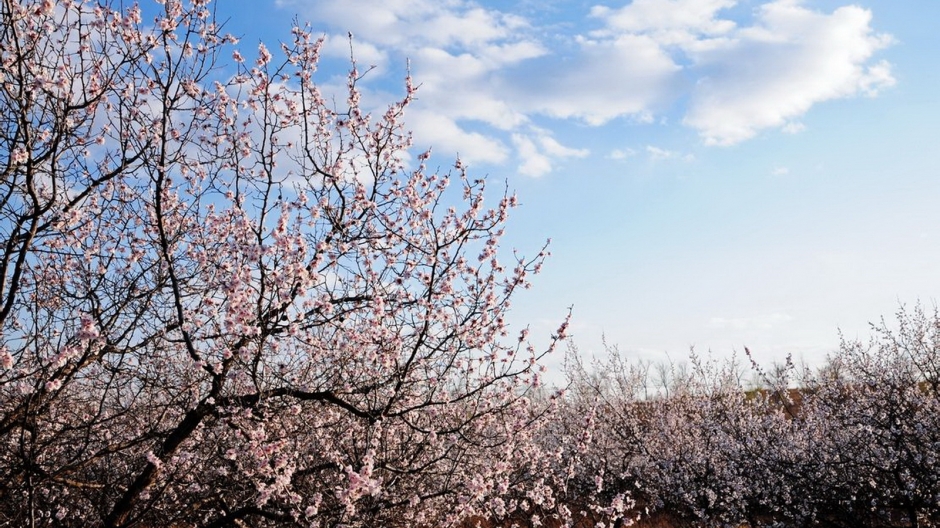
x=661, y=154
x=621, y=154
x=793, y=127
x=537, y=154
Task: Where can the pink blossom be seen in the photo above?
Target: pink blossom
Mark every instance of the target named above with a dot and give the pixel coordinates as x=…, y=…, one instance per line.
x=19, y=155
x=264, y=56
x=6, y=359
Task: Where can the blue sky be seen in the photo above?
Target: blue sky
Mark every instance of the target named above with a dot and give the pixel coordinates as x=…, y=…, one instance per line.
x=712, y=173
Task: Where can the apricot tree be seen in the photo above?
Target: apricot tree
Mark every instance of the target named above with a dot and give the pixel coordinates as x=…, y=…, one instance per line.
x=227, y=299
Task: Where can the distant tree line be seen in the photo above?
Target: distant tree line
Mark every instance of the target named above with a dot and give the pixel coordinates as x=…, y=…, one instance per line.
x=854, y=443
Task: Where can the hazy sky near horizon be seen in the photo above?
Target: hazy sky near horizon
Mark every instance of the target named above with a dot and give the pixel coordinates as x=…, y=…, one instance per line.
x=712, y=173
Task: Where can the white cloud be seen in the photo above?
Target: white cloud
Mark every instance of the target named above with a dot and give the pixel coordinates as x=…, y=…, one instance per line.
x=670, y=22
x=457, y=86
x=658, y=154
x=534, y=163
x=410, y=23
x=780, y=171
x=539, y=153
x=793, y=127
x=486, y=74
x=450, y=138
x=661, y=154
x=551, y=146
x=877, y=77
x=775, y=71
x=366, y=53
x=457, y=51
x=621, y=154
x=629, y=75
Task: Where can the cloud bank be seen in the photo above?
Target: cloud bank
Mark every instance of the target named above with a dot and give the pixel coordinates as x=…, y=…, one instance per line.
x=489, y=77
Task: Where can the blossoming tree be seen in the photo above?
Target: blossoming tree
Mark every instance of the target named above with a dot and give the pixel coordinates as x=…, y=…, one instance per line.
x=226, y=300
